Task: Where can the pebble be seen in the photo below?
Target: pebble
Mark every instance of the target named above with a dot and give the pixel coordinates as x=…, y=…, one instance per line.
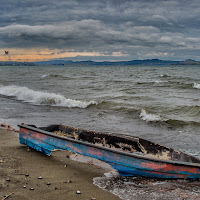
x=67, y=181
x=40, y=177
x=31, y=188
x=78, y=192
x=26, y=174
x=7, y=179
x=24, y=186
x=48, y=183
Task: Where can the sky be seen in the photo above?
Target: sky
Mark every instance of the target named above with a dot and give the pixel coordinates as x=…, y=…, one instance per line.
x=111, y=30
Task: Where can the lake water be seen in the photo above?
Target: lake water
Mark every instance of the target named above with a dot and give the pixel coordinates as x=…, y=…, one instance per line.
x=158, y=103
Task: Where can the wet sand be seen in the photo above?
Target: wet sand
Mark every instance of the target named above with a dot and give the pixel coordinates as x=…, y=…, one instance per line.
x=28, y=174
x=138, y=188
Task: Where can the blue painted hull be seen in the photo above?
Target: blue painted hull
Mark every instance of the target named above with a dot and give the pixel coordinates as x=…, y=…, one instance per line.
x=125, y=163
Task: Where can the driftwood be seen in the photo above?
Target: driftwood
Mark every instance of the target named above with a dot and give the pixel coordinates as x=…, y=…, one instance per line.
x=8, y=195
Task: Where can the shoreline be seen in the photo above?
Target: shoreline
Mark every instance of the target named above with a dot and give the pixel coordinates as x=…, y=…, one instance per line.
x=28, y=174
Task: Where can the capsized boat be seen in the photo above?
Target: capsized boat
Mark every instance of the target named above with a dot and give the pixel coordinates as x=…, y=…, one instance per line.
x=129, y=155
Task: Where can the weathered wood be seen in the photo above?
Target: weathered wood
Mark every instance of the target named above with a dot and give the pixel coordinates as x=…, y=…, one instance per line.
x=129, y=155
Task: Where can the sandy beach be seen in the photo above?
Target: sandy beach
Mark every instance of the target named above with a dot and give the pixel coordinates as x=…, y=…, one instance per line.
x=28, y=174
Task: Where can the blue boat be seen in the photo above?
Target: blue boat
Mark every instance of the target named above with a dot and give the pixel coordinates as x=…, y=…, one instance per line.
x=129, y=155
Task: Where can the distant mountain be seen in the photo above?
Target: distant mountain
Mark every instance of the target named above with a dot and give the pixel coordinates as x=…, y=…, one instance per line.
x=54, y=62
x=189, y=62
x=89, y=62
x=11, y=63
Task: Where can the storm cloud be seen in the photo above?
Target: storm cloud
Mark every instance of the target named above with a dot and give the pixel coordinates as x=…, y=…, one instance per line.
x=137, y=29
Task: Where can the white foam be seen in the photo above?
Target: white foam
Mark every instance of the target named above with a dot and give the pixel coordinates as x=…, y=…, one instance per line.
x=196, y=86
x=42, y=98
x=112, y=173
x=148, y=117
x=45, y=75
x=159, y=81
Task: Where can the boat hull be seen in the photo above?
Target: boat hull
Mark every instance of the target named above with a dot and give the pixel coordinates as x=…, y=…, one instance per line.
x=126, y=164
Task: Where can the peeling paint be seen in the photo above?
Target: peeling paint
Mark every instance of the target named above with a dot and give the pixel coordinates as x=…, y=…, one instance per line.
x=131, y=156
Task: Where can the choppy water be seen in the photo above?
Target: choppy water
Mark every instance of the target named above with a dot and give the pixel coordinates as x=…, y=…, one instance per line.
x=158, y=103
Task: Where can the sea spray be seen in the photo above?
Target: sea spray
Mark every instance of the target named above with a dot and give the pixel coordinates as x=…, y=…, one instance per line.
x=159, y=81
x=196, y=86
x=148, y=117
x=45, y=76
x=42, y=98
x=57, y=76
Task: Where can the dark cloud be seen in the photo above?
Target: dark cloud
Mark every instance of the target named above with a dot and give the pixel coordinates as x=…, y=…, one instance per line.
x=136, y=28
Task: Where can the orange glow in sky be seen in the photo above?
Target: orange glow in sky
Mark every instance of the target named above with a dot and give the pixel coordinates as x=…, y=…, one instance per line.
x=33, y=55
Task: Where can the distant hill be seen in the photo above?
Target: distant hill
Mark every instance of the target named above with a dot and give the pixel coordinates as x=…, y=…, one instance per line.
x=89, y=62
x=10, y=63
x=54, y=62
x=189, y=62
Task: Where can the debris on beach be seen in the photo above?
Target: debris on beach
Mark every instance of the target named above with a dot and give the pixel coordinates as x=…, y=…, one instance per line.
x=28, y=149
x=3, y=125
x=9, y=128
x=67, y=181
x=6, y=196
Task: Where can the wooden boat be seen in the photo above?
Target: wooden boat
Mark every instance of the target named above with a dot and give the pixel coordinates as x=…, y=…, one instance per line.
x=129, y=155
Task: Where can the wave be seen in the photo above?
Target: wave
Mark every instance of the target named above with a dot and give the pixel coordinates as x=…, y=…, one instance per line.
x=170, y=123
x=159, y=81
x=45, y=76
x=58, y=76
x=193, y=111
x=177, y=84
x=171, y=84
x=55, y=76
x=42, y=98
x=180, y=123
x=168, y=84
x=164, y=75
x=148, y=117
x=196, y=85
